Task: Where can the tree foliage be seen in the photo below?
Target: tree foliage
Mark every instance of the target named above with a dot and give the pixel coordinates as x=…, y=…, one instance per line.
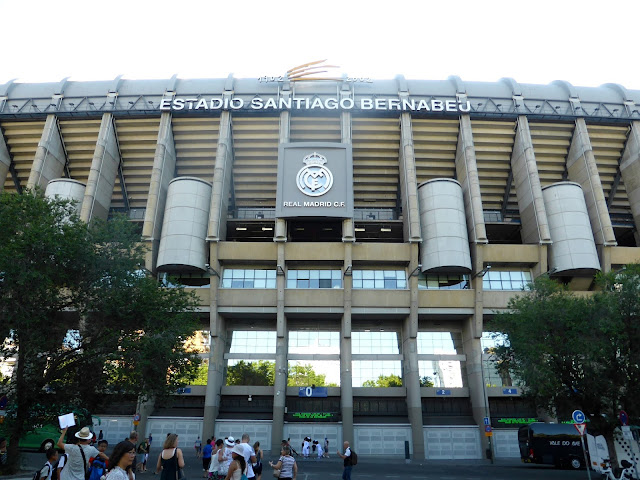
x=384, y=381
x=573, y=351
x=80, y=316
x=262, y=373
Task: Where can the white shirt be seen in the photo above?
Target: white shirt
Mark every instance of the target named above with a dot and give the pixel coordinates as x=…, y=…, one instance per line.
x=75, y=467
x=248, y=452
x=319, y=450
x=47, y=470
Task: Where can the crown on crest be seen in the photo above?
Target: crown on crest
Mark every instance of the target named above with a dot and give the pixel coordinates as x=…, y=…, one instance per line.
x=315, y=159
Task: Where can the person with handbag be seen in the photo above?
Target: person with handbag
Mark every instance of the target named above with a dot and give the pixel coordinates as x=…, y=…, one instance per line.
x=286, y=468
x=170, y=460
x=122, y=462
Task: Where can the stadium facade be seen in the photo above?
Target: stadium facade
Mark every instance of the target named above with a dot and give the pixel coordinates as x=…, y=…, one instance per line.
x=364, y=227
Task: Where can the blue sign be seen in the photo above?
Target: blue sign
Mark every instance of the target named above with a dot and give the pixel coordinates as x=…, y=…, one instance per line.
x=509, y=391
x=443, y=392
x=624, y=418
x=313, y=392
x=578, y=416
x=486, y=421
x=487, y=428
x=184, y=390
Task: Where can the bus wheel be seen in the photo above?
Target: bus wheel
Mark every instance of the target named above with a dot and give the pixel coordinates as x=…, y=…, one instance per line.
x=575, y=463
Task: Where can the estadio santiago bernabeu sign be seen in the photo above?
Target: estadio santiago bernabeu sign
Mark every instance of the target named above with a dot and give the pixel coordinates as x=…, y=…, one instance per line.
x=315, y=180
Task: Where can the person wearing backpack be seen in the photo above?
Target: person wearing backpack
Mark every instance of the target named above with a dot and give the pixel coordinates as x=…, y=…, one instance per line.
x=47, y=471
x=98, y=466
x=77, y=464
x=350, y=459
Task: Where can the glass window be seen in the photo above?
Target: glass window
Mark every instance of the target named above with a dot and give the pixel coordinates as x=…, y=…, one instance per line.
x=444, y=282
x=442, y=373
x=321, y=373
x=506, y=280
x=494, y=375
x=251, y=372
x=253, y=341
x=375, y=343
x=248, y=278
x=314, y=279
x=377, y=373
x=380, y=279
x=314, y=342
x=439, y=343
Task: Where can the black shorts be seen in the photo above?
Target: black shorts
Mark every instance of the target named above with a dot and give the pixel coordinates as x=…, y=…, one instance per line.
x=205, y=463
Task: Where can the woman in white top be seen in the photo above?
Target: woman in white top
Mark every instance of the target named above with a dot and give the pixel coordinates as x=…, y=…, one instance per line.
x=238, y=464
x=122, y=459
x=216, y=460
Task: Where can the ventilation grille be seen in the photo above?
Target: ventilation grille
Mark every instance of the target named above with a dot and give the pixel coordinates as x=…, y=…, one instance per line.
x=435, y=143
x=196, y=142
x=551, y=142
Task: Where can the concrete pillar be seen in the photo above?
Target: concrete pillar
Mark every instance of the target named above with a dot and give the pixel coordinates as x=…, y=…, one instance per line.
x=533, y=215
x=346, y=383
x=221, y=180
x=630, y=171
x=218, y=332
x=410, y=368
x=164, y=167
x=471, y=334
x=408, y=180
x=467, y=175
x=5, y=160
x=582, y=169
x=102, y=176
x=50, y=158
x=348, y=231
x=280, y=232
x=282, y=362
x=144, y=409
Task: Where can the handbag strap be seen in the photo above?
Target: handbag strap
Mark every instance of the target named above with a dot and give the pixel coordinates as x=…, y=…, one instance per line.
x=84, y=459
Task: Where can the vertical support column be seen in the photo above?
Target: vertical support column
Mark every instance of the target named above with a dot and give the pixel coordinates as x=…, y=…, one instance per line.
x=582, y=168
x=410, y=367
x=164, y=167
x=282, y=340
x=408, y=179
x=145, y=409
x=102, y=176
x=218, y=332
x=348, y=231
x=467, y=173
x=50, y=158
x=221, y=180
x=535, y=227
x=346, y=383
x=5, y=160
x=471, y=334
x=282, y=363
x=630, y=171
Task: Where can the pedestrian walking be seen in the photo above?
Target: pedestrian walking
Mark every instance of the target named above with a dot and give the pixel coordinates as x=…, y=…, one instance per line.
x=206, y=456
x=346, y=473
x=170, y=460
x=198, y=447
x=77, y=462
x=122, y=462
x=286, y=464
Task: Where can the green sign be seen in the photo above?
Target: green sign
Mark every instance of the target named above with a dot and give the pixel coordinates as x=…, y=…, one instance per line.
x=517, y=421
x=312, y=415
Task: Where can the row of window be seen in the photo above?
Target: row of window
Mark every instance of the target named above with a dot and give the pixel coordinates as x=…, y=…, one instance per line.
x=370, y=279
x=328, y=343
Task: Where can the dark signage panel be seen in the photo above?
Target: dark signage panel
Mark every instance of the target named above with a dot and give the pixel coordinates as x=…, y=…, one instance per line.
x=315, y=180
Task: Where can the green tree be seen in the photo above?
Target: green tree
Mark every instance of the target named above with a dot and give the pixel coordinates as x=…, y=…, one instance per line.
x=261, y=373
x=384, y=381
x=305, y=376
x=426, y=382
x=576, y=352
x=80, y=316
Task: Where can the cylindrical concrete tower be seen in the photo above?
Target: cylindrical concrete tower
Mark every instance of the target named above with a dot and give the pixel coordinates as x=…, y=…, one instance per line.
x=443, y=225
x=183, y=244
x=67, y=189
x=573, y=251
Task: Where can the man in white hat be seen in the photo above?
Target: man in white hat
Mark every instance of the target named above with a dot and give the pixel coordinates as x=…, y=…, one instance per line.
x=78, y=455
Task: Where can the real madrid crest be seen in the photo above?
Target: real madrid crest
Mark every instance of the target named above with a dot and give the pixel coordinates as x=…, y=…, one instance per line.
x=314, y=179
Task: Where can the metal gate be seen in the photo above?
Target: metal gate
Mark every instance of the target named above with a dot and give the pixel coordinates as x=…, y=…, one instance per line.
x=450, y=442
x=382, y=439
x=505, y=444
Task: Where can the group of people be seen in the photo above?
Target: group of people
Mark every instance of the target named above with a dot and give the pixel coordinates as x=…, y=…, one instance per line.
x=82, y=460
x=312, y=448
